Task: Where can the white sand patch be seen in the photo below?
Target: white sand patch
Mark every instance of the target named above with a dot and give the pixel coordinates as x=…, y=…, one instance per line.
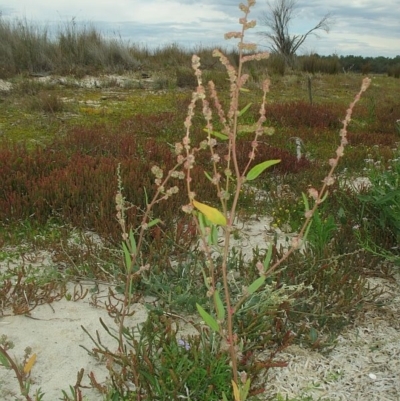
x=5, y=86
x=257, y=232
x=55, y=334
x=365, y=365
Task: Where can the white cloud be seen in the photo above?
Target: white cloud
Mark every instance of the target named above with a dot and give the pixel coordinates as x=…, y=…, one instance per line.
x=149, y=12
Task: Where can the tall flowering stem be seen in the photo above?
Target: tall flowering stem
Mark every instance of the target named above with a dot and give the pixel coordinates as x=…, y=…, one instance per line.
x=231, y=174
x=319, y=196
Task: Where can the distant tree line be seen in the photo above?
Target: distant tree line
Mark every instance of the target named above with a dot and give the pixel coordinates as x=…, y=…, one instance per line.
x=335, y=64
x=378, y=65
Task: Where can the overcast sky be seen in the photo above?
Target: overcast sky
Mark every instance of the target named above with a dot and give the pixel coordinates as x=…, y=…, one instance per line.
x=360, y=27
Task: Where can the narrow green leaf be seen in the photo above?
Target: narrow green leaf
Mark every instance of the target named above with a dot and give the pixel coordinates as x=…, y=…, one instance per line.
x=205, y=278
x=245, y=108
x=305, y=201
x=208, y=319
x=255, y=285
x=391, y=196
x=153, y=222
x=307, y=231
x=214, y=235
x=243, y=90
x=132, y=242
x=127, y=256
x=208, y=176
x=244, y=391
x=202, y=222
x=217, y=134
x=267, y=259
x=324, y=197
x=146, y=198
x=259, y=168
x=220, y=306
x=313, y=334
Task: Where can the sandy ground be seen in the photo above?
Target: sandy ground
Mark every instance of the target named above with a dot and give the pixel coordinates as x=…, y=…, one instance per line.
x=55, y=334
x=365, y=365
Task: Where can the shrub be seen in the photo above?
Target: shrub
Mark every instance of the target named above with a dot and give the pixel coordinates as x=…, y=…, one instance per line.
x=394, y=71
x=47, y=102
x=276, y=65
x=314, y=63
x=185, y=78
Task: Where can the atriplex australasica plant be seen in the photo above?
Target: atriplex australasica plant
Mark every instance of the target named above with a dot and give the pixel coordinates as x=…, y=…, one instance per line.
x=212, y=223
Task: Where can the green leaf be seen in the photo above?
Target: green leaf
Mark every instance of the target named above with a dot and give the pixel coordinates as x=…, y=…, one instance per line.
x=152, y=223
x=223, y=137
x=208, y=175
x=132, y=242
x=4, y=361
x=313, y=335
x=209, y=320
x=220, y=306
x=244, y=90
x=305, y=201
x=214, y=235
x=307, y=231
x=324, y=197
x=244, y=391
x=202, y=222
x=146, y=198
x=268, y=256
x=257, y=170
x=391, y=196
x=128, y=259
x=217, y=134
x=245, y=108
x=212, y=214
x=255, y=285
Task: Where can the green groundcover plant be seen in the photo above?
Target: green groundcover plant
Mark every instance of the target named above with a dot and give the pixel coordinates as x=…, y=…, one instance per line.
x=380, y=209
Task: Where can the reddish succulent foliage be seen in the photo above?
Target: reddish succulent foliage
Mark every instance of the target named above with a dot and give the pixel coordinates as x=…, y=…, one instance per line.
x=302, y=114
x=74, y=178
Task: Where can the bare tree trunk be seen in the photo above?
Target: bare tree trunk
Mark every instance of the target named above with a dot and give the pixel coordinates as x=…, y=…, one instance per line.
x=278, y=19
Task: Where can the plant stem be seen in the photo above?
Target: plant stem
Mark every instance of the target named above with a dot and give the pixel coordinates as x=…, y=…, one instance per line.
x=18, y=373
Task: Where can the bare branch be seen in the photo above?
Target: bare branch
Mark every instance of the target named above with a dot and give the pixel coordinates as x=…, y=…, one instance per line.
x=278, y=19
